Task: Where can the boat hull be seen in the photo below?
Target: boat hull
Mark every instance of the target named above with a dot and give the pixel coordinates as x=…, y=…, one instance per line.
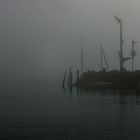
x=109, y=79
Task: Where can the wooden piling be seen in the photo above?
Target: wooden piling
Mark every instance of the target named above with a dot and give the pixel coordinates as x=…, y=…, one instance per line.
x=64, y=79
x=78, y=74
x=70, y=76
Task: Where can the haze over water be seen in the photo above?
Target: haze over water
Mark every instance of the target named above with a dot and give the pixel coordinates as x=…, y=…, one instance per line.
x=39, y=40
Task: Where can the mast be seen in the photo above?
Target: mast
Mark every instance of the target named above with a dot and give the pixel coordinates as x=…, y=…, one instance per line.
x=101, y=59
x=121, y=43
x=103, y=55
x=133, y=53
x=81, y=54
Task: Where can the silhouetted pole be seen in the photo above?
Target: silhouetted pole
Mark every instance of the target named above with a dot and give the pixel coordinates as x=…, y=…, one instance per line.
x=101, y=59
x=121, y=49
x=64, y=79
x=81, y=54
x=103, y=55
x=121, y=43
x=77, y=75
x=70, y=78
x=133, y=43
x=133, y=53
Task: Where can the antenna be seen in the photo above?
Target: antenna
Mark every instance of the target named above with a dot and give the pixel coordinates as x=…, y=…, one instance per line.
x=118, y=19
x=121, y=43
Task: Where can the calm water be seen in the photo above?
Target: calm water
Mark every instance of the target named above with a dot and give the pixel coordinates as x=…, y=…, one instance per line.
x=47, y=112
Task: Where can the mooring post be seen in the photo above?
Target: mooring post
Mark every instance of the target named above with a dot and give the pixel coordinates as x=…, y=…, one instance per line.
x=71, y=76
x=64, y=79
x=77, y=75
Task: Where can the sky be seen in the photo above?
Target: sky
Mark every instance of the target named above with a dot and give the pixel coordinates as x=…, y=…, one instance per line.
x=41, y=38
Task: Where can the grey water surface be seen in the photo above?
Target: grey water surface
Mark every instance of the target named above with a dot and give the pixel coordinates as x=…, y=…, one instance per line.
x=46, y=111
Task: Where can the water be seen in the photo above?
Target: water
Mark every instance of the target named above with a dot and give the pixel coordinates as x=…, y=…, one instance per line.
x=46, y=111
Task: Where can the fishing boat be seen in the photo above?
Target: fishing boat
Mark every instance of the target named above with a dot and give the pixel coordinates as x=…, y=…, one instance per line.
x=114, y=78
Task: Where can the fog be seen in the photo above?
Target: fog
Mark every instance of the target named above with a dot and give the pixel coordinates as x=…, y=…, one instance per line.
x=39, y=39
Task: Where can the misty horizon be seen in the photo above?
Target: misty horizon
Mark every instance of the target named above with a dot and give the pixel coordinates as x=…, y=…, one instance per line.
x=41, y=38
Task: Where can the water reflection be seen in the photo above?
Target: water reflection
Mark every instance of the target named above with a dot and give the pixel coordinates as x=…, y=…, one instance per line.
x=123, y=96
x=122, y=92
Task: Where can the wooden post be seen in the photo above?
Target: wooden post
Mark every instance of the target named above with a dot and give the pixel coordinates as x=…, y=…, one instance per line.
x=77, y=75
x=64, y=79
x=69, y=78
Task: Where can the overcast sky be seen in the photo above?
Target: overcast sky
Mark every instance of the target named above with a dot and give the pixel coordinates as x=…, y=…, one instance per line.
x=40, y=38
